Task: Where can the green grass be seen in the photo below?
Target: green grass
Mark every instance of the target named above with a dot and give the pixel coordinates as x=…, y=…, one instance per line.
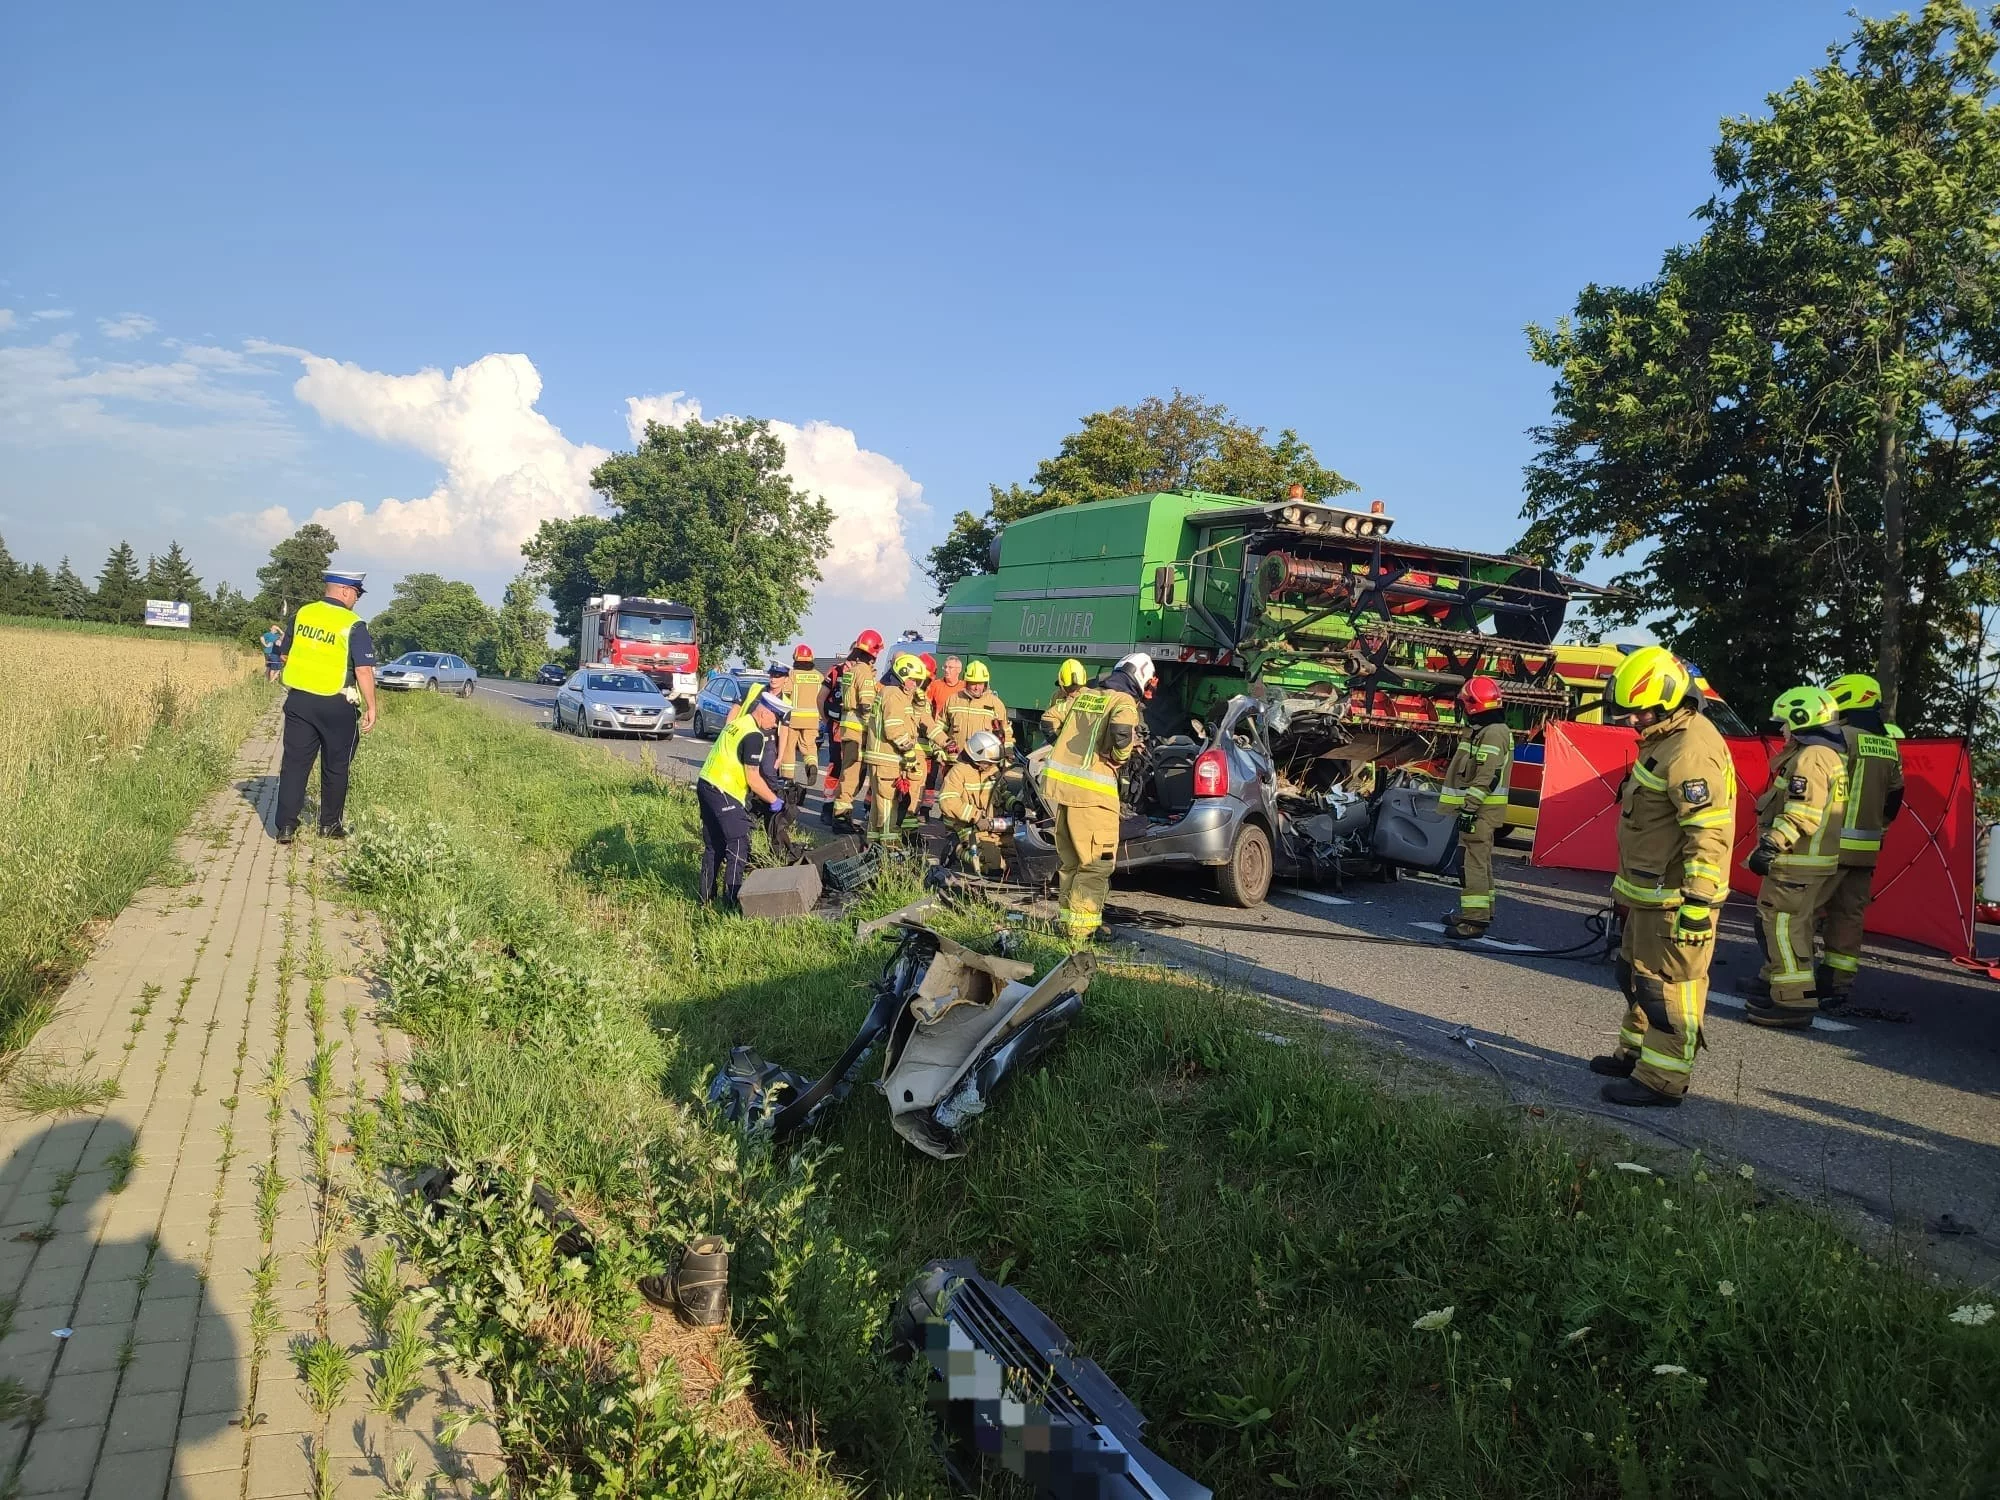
x=1256, y=1241
x=40, y=1087
x=101, y=627
x=78, y=844
x=325, y=1368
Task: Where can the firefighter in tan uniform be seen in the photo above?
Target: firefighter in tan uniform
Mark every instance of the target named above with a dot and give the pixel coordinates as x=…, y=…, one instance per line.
x=1676, y=820
x=848, y=709
x=974, y=707
x=892, y=748
x=798, y=750
x=1874, y=797
x=965, y=802
x=1096, y=732
x=1799, y=818
x=1475, y=787
x=1070, y=680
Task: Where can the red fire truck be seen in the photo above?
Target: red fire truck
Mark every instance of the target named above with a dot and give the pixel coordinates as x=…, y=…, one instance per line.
x=653, y=636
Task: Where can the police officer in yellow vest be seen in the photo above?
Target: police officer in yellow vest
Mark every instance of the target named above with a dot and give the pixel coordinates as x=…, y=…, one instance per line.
x=328, y=655
x=731, y=774
x=1095, y=734
x=1874, y=797
x=1798, y=854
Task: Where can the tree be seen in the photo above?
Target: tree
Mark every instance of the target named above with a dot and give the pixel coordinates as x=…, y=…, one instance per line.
x=121, y=593
x=295, y=573
x=1180, y=442
x=704, y=515
x=1796, y=423
x=230, y=613
x=10, y=582
x=34, y=592
x=521, y=638
x=171, y=576
x=69, y=594
x=428, y=613
x=559, y=564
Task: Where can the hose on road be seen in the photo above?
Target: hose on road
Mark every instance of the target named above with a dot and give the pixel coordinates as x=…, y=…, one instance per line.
x=1599, y=945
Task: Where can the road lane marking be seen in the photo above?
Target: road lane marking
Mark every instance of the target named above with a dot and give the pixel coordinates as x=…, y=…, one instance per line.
x=1320, y=896
x=1819, y=1023
x=1481, y=942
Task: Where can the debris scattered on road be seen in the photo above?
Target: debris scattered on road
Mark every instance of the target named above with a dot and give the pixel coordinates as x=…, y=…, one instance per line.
x=1007, y=1386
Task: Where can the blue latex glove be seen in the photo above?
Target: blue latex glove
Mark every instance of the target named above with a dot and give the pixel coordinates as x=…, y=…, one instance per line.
x=777, y=806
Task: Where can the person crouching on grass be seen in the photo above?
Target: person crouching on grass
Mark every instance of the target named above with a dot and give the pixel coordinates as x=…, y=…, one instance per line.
x=731, y=775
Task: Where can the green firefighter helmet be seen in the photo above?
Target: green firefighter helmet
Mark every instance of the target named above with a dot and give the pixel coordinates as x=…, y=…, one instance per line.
x=1651, y=677
x=1805, y=707
x=1855, y=690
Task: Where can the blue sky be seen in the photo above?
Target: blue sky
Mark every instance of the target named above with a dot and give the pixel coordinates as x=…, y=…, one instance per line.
x=927, y=238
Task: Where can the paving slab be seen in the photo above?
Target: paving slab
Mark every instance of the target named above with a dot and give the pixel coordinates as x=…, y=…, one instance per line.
x=146, y=1231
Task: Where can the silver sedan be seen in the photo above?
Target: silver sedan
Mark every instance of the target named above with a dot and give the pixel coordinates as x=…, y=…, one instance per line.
x=433, y=671
x=602, y=701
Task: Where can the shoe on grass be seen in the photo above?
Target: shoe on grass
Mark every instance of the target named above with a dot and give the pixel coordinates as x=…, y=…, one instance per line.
x=700, y=1283
x=1614, y=1066
x=333, y=830
x=1633, y=1094
x=286, y=835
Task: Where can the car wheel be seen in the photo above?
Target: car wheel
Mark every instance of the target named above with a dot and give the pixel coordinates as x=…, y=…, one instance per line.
x=1246, y=879
x=432, y=685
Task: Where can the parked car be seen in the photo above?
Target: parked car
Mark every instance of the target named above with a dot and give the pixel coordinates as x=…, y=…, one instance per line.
x=551, y=674
x=600, y=700
x=433, y=671
x=721, y=696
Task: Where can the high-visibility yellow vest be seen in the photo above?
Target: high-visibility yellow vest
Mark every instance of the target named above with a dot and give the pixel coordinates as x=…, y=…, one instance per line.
x=804, y=698
x=724, y=769
x=318, y=659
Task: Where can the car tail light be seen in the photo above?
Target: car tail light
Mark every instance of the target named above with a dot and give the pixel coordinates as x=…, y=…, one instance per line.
x=1211, y=774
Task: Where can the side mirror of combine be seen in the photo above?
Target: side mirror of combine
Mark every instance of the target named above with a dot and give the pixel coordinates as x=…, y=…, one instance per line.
x=1163, y=586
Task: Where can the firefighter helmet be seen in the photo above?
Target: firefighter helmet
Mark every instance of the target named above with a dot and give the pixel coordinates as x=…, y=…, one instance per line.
x=983, y=747
x=1072, y=674
x=978, y=671
x=802, y=656
x=930, y=663
x=1479, y=695
x=908, y=668
x=1805, y=707
x=1855, y=690
x=1139, y=667
x=1651, y=677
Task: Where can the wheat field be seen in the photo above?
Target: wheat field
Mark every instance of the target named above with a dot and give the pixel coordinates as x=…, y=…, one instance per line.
x=74, y=699
x=109, y=741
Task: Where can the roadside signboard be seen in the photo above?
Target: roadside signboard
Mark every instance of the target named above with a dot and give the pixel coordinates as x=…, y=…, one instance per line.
x=171, y=614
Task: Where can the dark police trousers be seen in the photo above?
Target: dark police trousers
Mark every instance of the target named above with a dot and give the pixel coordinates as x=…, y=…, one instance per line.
x=725, y=841
x=326, y=729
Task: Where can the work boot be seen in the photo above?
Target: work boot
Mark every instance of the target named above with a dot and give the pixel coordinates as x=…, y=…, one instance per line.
x=1614, y=1066
x=1635, y=1095
x=286, y=835
x=1832, y=988
x=1779, y=1017
x=701, y=1283
x=1753, y=987
x=333, y=830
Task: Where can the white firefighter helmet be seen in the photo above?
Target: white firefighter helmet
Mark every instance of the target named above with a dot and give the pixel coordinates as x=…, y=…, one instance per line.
x=1139, y=667
x=983, y=747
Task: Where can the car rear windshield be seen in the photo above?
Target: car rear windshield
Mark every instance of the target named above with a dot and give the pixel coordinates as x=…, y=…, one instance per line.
x=663, y=631
x=415, y=659
x=622, y=682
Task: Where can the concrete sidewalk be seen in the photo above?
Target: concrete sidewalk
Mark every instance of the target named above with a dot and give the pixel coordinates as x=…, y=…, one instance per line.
x=163, y=1255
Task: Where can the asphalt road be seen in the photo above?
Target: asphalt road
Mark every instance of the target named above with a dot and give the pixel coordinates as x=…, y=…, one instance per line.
x=1891, y=1110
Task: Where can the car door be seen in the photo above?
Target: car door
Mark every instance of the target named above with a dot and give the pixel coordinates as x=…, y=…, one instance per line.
x=569, y=701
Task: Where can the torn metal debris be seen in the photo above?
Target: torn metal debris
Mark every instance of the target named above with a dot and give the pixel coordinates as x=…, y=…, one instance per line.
x=958, y=1023
x=1008, y=1388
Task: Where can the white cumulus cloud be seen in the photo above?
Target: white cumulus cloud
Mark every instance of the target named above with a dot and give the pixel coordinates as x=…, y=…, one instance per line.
x=871, y=495
x=506, y=468
x=126, y=326
x=53, y=314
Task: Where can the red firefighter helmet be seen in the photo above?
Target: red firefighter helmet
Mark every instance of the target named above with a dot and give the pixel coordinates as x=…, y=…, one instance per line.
x=930, y=663
x=802, y=656
x=869, y=641
x=1479, y=695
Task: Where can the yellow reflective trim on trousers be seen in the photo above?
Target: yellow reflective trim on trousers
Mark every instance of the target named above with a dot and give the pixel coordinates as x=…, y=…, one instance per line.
x=1660, y=1060
x=1861, y=843
x=1841, y=962
x=1649, y=779
x=1467, y=901
x=1781, y=938
x=1639, y=895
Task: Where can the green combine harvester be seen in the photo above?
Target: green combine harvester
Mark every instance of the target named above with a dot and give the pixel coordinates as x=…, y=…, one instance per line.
x=1356, y=642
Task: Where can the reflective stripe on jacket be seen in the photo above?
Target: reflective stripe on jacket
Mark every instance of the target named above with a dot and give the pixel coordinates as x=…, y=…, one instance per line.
x=1676, y=816
x=1479, y=767
x=965, y=716
x=1874, y=771
x=967, y=793
x=1801, y=813
x=317, y=662
x=803, y=695
x=857, y=697
x=1082, y=769
x=724, y=769
x=895, y=725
